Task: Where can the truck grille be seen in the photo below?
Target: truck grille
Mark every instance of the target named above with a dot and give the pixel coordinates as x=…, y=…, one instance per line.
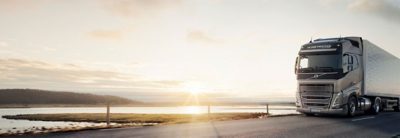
x=316, y=95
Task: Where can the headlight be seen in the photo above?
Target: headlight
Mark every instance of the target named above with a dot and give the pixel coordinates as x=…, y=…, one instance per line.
x=338, y=100
x=298, y=99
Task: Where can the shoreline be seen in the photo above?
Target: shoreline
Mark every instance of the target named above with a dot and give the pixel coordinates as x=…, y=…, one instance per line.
x=8, y=106
x=123, y=120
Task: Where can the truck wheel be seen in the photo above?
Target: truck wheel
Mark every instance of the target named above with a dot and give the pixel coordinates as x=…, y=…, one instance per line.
x=351, y=106
x=376, y=106
x=382, y=106
x=397, y=108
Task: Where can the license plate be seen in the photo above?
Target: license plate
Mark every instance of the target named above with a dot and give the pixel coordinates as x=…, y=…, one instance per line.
x=315, y=110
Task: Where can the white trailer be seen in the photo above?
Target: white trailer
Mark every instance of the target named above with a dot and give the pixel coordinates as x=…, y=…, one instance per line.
x=382, y=72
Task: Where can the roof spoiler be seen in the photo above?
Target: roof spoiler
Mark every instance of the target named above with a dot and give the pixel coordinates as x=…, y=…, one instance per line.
x=355, y=41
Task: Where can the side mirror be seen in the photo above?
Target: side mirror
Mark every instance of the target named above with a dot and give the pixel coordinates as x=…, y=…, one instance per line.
x=351, y=62
x=296, y=65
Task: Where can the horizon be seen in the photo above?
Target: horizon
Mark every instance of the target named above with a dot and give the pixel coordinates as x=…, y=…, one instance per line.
x=178, y=97
x=235, y=50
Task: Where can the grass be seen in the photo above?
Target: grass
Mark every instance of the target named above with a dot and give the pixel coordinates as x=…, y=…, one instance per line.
x=136, y=118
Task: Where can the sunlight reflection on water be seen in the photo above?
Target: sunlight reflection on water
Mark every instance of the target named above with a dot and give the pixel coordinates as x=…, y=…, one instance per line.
x=20, y=125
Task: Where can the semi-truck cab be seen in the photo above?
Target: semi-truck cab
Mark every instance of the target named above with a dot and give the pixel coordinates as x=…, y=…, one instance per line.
x=333, y=75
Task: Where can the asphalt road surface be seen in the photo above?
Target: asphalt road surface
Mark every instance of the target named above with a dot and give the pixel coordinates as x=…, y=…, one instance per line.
x=379, y=126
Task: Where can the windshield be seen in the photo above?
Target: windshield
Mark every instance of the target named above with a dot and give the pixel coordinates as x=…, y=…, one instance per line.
x=319, y=63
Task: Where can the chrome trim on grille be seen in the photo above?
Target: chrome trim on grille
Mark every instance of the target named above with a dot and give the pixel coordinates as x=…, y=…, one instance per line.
x=316, y=95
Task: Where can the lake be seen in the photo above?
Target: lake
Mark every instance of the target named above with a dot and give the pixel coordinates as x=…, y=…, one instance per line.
x=9, y=125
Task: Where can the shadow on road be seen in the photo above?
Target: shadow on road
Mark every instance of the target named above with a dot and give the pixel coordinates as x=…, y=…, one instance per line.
x=386, y=122
x=215, y=129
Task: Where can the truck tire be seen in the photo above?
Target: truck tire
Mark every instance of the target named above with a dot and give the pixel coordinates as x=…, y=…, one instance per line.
x=397, y=108
x=351, y=106
x=376, y=106
x=383, y=106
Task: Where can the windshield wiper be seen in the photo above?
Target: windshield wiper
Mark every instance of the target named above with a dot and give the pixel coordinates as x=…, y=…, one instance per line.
x=307, y=70
x=325, y=69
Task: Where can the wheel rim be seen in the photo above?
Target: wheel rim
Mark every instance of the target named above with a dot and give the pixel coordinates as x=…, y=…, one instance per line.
x=352, y=108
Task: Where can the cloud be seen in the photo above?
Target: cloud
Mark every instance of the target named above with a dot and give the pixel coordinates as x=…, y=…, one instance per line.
x=202, y=37
x=106, y=34
x=366, y=5
x=7, y=6
x=21, y=73
x=388, y=9
x=129, y=8
x=3, y=44
x=48, y=49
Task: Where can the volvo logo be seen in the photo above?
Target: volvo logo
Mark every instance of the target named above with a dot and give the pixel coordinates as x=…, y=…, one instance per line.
x=319, y=75
x=316, y=75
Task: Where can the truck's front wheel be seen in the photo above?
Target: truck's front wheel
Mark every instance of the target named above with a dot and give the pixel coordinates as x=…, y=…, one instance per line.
x=351, y=106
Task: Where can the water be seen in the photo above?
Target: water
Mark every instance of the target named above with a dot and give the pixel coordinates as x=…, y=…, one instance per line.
x=8, y=125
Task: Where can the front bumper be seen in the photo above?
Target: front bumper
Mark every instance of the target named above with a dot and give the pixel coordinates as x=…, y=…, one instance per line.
x=340, y=111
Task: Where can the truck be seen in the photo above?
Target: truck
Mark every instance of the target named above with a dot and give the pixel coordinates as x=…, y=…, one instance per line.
x=346, y=76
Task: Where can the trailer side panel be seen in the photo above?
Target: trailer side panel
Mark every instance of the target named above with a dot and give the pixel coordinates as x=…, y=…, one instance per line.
x=382, y=72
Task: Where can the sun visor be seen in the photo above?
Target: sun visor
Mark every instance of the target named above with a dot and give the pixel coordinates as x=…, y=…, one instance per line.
x=327, y=48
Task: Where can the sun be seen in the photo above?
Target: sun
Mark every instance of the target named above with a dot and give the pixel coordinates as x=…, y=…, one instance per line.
x=195, y=88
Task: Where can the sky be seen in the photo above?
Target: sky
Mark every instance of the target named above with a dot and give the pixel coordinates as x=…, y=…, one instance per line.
x=130, y=48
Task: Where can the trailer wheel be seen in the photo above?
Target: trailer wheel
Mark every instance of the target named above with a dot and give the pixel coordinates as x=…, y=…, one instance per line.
x=351, y=106
x=376, y=106
x=383, y=106
x=397, y=108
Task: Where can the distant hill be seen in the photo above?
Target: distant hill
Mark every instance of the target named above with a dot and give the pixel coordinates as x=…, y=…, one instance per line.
x=33, y=96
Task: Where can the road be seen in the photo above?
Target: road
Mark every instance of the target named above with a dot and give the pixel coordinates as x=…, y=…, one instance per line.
x=383, y=125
